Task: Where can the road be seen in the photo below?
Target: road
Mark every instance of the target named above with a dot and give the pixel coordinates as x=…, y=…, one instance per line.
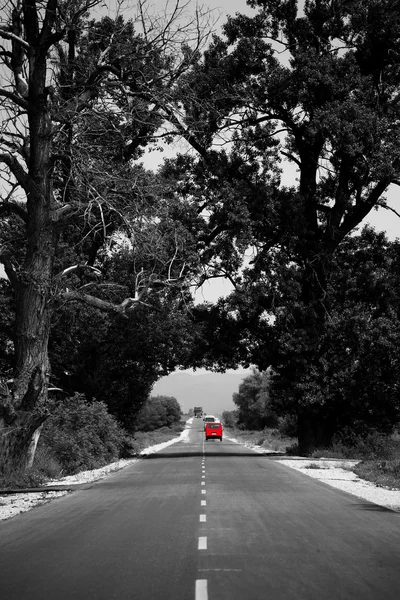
x=203, y=521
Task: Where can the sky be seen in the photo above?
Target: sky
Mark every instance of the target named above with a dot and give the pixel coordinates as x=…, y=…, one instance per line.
x=212, y=391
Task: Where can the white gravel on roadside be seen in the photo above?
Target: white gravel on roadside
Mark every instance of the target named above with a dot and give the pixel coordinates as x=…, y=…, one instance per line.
x=14, y=504
x=338, y=474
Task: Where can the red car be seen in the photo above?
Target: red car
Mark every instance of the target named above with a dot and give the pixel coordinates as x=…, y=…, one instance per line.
x=213, y=431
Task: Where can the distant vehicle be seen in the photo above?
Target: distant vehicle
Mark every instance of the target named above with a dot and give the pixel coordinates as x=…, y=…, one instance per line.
x=198, y=412
x=209, y=419
x=213, y=430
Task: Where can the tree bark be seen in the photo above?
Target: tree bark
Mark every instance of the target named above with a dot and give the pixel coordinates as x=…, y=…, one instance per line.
x=27, y=398
x=312, y=431
x=24, y=410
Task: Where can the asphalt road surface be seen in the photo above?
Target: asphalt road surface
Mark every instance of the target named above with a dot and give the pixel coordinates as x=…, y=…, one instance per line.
x=203, y=520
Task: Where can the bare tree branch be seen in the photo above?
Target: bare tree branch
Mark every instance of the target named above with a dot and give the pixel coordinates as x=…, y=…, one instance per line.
x=7, y=35
x=386, y=207
x=128, y=305
x=8, y=267
x=18, y=171
x=78, y=269
x=14, y=208
x=14, y=98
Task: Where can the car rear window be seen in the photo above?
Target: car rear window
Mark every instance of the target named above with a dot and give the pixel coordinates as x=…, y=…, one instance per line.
x=209, y=419
x=214, y=425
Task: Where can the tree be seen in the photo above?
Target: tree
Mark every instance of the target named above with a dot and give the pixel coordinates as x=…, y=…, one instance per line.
x=360, y=377
x=253, y=402
x=355, y=382
x=117, y=360
x=79, y=101
x=319, y=90
x=6, y=329
x=157, y=412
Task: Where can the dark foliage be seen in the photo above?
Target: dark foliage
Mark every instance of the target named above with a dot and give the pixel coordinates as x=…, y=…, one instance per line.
x=81, y=435
x=157, y=412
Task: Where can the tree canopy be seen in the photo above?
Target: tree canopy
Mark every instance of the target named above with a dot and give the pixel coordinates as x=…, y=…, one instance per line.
x=355, y=385
x=84, y=222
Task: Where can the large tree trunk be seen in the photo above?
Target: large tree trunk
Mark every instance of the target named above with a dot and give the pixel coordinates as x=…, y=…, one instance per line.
x=313, y=431
x=311, y=323
x=24, y=408
x=311, y=319
x=18, y=440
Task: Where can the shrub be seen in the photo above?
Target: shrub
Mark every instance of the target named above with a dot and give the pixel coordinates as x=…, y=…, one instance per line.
x=130, y=447
x=229, y=418
x=293, y=450
x=385, y=473
x=46, y=463
x=157, y=412
x=17, y=477
x=287, y=425
x=373, y=445
x=82, y=435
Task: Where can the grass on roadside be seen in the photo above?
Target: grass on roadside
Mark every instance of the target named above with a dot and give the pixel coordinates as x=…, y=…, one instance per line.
x=144, y=439
x=271, y=440
x=385, y=473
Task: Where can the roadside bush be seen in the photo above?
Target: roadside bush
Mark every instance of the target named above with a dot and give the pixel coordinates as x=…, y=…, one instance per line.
x=373, y=445
x=271, y=440
x=157, y=412
x=45, y=467
x=144, y=439
x=384, y=473
x=389, y=467
x=229, y=418
x=130, y=447
x=287, y=425
x=82, y=435
x=19, y=478
x=46, y=463
x=175, y=427
x=293, y=449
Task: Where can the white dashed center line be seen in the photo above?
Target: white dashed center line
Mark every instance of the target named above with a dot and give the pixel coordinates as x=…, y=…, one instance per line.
x=202, y=543
x=201, y=592
x=201, y=589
